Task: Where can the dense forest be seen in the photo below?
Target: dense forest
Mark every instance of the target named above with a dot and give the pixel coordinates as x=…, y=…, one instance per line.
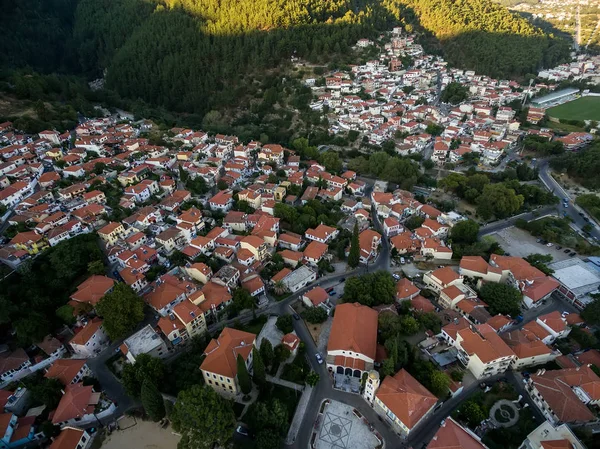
x=197, y=55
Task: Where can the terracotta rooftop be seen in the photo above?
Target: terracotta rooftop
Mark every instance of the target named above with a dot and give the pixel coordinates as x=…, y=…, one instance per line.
x=445, y=275
x=221, y=354
x=78, y=401
x=556, y=387
x=93, y=289
x=405, y=288
x=316, y=295
x=485, y=343
x=84, y=335
x=65, y=370
x=452, y=435
x=354, y=329
x=406, y=397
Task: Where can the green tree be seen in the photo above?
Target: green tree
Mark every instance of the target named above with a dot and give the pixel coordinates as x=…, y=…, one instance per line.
x=541, y=261
x=152, y=401
x=315, y=315
x=222, y=185
x=96, y=267
x=121, y=310
x=312, y=379
x=439, y=382
x=145, y=368
x=266, y=352
x=258, y=368
x=203, y=418
x=465, y=232
x=242, y=299
x=243, y=376
x=591, y=313
x=285, y=324
x=414, y=222
x=332, y=162
x=354, y=255
x=267, y=439
x=472, y=413
x=501, y=298
x=498, y=201
x=454, y=93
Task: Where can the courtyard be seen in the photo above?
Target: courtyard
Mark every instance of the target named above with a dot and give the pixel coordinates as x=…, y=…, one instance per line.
x=338, y=427
x=138, y=434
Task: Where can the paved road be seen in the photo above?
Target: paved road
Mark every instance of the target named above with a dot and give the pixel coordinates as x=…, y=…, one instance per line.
x=503, y=224
x=573, y=211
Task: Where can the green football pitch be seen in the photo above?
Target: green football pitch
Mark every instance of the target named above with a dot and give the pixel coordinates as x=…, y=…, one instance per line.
x=584, y=108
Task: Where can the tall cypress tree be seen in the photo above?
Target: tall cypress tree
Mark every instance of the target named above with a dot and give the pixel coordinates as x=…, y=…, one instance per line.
x=354, y=256
x=258, y=367
x=152, y=401
x=243, y=376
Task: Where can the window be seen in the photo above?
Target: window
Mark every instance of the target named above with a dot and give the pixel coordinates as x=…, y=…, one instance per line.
x=210, y=382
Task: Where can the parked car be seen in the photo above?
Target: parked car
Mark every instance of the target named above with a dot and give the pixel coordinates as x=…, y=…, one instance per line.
x=329, y=289
x=296, y=316
x=548, y=244
x=395, y=276
x=402, y=260
x=332, y=293
x=572, y=254
x=243, y=431
x=559, y=247
x=319, y=358
x=566, y=250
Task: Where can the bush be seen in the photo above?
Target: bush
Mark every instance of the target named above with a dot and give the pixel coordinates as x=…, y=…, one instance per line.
x=315, y=315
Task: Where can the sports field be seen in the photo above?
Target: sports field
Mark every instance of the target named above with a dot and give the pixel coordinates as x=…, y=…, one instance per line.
x=584, y=108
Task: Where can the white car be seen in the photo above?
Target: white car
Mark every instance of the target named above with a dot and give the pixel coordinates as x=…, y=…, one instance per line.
x=402, y=261
x=319, y=358
x=548, y=244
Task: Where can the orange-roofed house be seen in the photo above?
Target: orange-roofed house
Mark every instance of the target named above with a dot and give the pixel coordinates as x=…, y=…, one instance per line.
x=452, y=435
x=555, y=325
x=476, y=267
x=222, y=201
x=482, y=351
x=93, y=289
x=314, y=252
x=71, y=438
x=90, y=340
x=77, y=406
x=219, y=368
x=442, y=278
x=321, y=233
x=68, y=371
x=352, y=344
x=315, y=297
x=29, y=241
x=406, y=290
x=255, y=245
x=369, y=242
x=563, y=395
x=528, y=348
x=401, y=400
x=200, y=272
x=112, y=232
x=533, y=284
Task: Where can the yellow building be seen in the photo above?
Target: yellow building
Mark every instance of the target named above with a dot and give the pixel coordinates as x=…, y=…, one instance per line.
x=112, y=232
x=29, y=241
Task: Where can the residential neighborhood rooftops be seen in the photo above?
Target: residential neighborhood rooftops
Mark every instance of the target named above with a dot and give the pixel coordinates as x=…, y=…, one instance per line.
x=93, y=289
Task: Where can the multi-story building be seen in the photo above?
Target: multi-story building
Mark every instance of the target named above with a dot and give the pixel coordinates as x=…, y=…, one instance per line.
x=219, y=368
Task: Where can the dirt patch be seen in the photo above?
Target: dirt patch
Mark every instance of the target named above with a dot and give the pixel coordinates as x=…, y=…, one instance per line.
x=572, y=187
x=141, y=435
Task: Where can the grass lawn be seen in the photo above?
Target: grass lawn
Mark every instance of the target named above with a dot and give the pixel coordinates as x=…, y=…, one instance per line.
x=584, y=108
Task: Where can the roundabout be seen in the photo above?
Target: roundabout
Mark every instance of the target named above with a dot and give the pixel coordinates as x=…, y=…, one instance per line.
x=504, y=413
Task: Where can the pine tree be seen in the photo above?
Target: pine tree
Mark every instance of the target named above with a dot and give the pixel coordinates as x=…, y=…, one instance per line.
x=258, y=367
x=152, y=401
x=243, y=376
x=354, y=256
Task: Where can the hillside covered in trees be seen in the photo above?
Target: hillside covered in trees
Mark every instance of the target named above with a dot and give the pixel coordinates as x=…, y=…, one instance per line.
x=198, y=55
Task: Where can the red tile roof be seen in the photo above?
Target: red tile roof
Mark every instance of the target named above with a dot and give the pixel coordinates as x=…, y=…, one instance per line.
x=406, y=397
x=221, y=354
x=354, y=329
